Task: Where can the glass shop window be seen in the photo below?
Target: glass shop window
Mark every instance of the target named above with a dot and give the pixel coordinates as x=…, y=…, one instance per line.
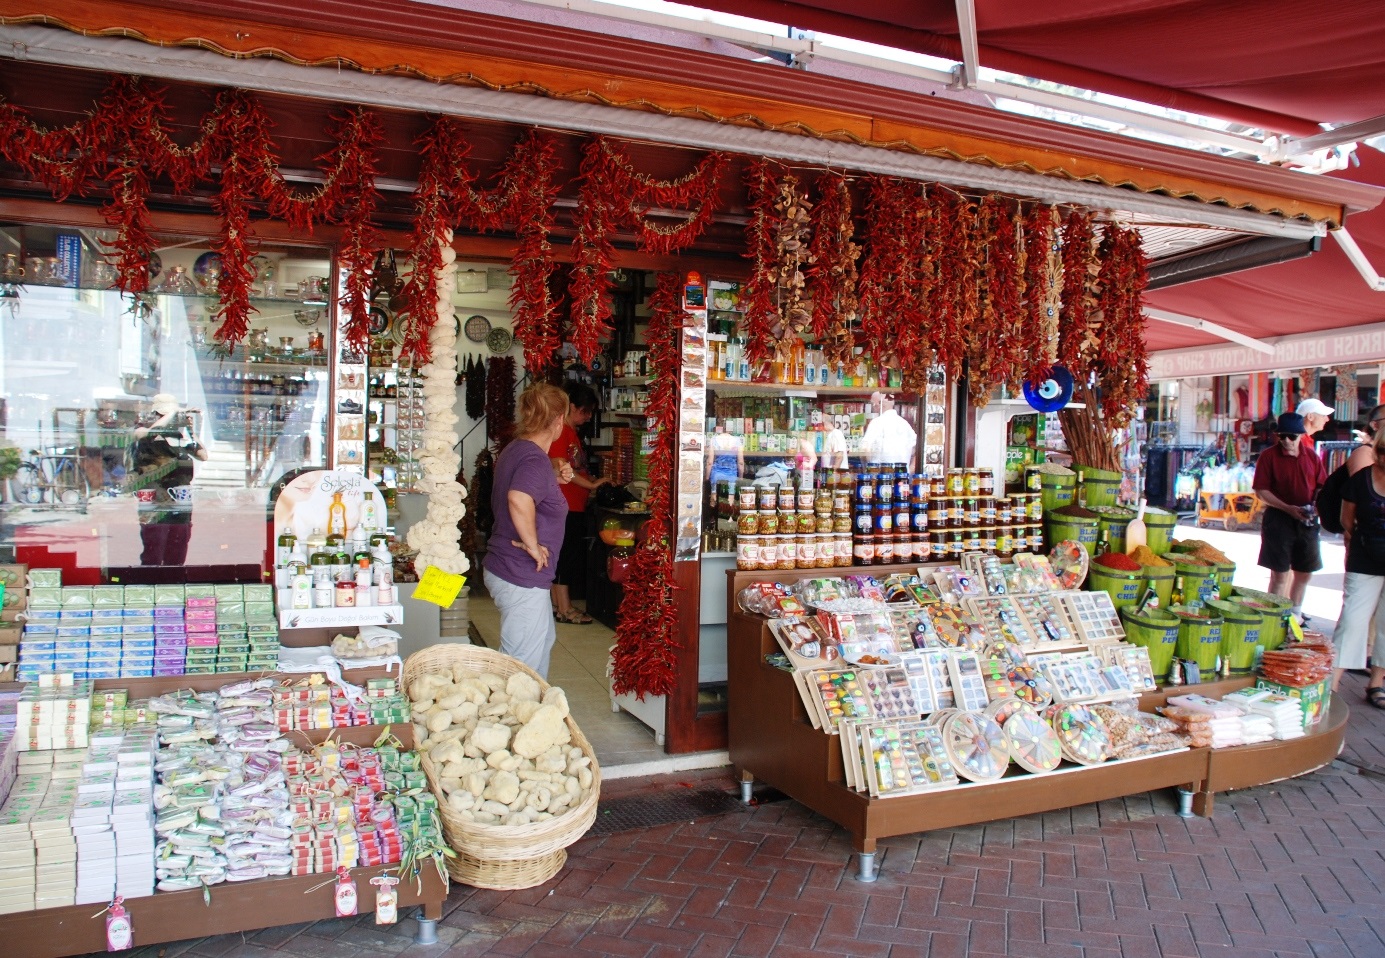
x=132, y=447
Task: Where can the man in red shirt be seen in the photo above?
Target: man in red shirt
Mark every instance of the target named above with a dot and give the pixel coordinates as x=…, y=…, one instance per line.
x=1288, y=476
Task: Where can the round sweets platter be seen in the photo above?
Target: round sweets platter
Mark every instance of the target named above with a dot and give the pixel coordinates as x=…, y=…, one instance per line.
x=1034, y=744
x=1029, y=686
x=1081, y=734
x=477, y=328
x=976, y=746
x=1002, y=709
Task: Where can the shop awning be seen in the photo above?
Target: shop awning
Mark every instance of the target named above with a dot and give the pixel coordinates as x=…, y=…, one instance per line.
x=1281, y=65
x=1304, y=299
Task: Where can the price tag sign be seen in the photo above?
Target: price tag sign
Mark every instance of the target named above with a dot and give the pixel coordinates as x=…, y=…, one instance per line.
x=439, y=587
x=1296, y=628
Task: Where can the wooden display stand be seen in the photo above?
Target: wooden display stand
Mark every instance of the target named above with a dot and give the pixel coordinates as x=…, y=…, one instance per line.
x=772, y=739
x=234, y=906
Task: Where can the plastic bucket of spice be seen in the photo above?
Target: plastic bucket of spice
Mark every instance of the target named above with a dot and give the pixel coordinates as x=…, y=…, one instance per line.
x=1225, y=572
x=1157, y=631
x=1101, y=486
x=1072, y=522
x=1199, y=638
x=1240, y=634
x=1160, y=579
x=1274, y=614
x=1111, y=522
x=1199, y=578
x=1159, y=525
x=1056, y=488
x=1119, y=576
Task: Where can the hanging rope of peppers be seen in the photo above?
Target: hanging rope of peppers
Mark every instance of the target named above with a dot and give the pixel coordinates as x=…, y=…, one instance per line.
x=644, y=657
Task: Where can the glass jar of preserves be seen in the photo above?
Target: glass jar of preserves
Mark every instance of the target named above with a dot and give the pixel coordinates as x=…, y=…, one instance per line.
x=748, y=523
x=956, y=482
x=954, y=544
x=822, y=501
x=923, y=548
x=988, y=512
x=1003, y=516
x=747, y=553
x=971, y=482
x=745, y=496
x=806, y=523
x=971, y=539
x=822, y=523
x=769, y=498
x=919, y=488
x=787, y=555
x=884, y=550
x=938, y=540
x=903, y=488
x=806, y=552
x=956, y=513
x=971, y=512
x=865, y=487
x=865, y=520
x=863, y=550
x=903, y=517
x=841, y=522
x=841, y=501
x=988, y=538
x=769, y=523
x=788, y=498
x=884, y=487
x=882, y=520
x=987, y=477
x=937, y=487
x=937, y=513
x=1019, y=539
x=920, y=518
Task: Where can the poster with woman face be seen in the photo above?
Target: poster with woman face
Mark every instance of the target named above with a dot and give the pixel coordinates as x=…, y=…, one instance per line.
x=307, y=504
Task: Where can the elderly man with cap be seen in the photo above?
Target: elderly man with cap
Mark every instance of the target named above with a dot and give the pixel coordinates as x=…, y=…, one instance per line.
x=1315, y=415
x=1288, y=476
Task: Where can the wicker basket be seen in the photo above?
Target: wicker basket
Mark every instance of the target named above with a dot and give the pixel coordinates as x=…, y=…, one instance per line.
x=495, y=844
x=505, y=875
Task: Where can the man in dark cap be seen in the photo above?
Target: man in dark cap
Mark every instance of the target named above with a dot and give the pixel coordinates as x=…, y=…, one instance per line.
x=1288, y=476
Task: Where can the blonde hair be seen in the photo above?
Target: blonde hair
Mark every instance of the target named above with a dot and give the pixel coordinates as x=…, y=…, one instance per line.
x=538, y=406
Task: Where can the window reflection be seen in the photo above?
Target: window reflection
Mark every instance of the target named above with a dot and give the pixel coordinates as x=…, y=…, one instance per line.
x=132, y=447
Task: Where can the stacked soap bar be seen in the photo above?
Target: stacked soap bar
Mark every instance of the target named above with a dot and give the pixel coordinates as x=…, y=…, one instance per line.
x=9, y=743
x=321, y=706
x=50, y=827
x=53, y=713
x=113, y=821
x=133, y=631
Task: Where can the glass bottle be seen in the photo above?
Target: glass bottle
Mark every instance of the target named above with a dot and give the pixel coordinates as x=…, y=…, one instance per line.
x=284, y=547
x=336, y=516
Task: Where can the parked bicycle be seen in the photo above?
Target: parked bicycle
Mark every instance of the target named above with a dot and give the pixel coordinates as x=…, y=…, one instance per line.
x=55, y=477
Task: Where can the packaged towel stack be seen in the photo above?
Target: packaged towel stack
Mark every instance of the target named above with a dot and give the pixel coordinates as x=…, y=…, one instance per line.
x=1283, y=712
x=1223, y=719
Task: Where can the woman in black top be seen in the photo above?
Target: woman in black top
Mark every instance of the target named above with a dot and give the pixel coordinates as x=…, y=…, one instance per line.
x=1363, y=524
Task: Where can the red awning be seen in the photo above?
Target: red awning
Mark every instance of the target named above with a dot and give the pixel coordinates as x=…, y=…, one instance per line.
x=1284, y=65
x=1324, y=291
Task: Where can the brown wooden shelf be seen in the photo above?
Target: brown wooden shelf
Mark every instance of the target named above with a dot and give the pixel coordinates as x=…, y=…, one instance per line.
x=770, y=738
x=234, y=906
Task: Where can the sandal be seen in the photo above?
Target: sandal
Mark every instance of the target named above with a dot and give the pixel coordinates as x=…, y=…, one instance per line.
x=575, y=616
x=1376, y=696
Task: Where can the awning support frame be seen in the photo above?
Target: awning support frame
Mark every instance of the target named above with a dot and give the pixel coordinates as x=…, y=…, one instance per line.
x=1207, y=326
x=1358, y=259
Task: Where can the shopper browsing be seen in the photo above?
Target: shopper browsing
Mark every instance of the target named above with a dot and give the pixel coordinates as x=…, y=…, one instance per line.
x=1363, y=525
x=567, y=449
x=1288, y=476
x=530, y=515
x=1364, y=454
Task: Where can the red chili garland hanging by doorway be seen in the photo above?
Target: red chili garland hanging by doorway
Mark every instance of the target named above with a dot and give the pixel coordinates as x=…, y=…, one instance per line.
x=614, y=195
x=644, y=658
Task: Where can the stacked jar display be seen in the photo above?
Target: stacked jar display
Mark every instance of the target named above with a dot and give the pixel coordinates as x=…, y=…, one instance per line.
x=890, y=517
x=794, y=526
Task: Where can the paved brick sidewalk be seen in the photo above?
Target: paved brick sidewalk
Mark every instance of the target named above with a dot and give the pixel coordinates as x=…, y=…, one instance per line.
x=1292, y=869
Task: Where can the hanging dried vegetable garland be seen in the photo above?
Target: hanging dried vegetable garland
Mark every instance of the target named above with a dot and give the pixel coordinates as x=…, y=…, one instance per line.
x=1043, y=282
x=126, y=141
x=500, y=401
x=761, y=312
x=994, y=354
x=612, y=195
x=531, y=298
x=475, y=388
x=1121, y=357
x=644, y=657
x=1080, y=270
x=898, y=278
x=832, y=280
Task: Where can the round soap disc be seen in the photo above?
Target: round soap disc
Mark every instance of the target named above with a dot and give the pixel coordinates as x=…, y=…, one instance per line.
x=1081, y=733
x=977, y=746
x=1033, y=744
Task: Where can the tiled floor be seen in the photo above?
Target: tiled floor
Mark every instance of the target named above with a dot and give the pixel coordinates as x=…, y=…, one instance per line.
x=578, y=667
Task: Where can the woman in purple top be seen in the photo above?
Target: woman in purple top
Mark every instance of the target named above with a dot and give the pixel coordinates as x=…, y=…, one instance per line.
x=530, y=514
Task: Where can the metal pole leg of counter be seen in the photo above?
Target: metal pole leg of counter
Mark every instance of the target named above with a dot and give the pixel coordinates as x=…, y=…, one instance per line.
x=427, y=929
x=866, y=863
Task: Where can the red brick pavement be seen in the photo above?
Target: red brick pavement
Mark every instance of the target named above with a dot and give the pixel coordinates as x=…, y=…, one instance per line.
x=1292, y=869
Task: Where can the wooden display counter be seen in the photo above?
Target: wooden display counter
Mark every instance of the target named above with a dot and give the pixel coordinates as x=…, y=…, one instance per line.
x=233, y=906
x=772, y=739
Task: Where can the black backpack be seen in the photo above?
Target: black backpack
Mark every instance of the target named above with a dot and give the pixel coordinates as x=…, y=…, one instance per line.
x=1329, y=501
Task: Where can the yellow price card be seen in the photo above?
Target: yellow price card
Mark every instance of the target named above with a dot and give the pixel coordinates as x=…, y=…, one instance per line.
x=439, y=587
x=1295, y=628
